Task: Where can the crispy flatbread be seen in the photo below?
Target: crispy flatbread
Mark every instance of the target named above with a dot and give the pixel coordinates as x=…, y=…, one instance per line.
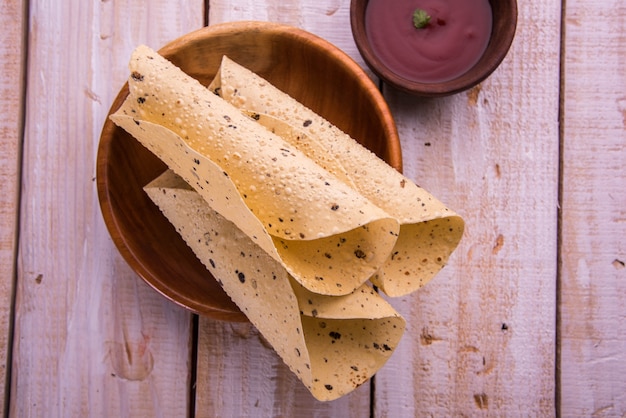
x=327, y=235
x=429, y=231
x=332, y=343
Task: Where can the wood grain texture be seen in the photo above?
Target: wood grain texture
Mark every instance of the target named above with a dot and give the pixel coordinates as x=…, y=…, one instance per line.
x=11, y=87
x=90, y=338
x=481, y=338
x=593, y=281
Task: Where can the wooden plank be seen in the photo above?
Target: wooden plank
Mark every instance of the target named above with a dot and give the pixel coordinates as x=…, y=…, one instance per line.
x=329, y=19
x=593, y=279
x=238, y=374
x=481, y=337
x=11, y=86
x=90, y=338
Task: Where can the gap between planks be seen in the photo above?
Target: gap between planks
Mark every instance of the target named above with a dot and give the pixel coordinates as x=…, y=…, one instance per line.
x=20, y=26
x=559, y=226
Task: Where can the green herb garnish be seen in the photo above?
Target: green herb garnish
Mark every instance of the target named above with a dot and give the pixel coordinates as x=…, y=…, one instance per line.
x=421, y=19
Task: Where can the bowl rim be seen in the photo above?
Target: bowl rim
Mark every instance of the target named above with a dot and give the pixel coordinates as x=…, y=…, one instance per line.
x=456, y=85
x=106, y=203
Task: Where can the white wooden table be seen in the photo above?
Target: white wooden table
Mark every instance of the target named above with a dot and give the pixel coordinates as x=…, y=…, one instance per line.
x=528, y=319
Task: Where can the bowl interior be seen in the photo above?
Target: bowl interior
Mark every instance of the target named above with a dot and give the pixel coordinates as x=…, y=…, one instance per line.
x=303, y=65
x=504, y=14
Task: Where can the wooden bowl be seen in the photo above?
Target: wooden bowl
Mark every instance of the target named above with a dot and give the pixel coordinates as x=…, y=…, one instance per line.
x=310, y=69
x=504, y=16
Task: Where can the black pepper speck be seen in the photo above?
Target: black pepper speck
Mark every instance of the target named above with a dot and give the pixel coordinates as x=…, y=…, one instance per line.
x=137, y=76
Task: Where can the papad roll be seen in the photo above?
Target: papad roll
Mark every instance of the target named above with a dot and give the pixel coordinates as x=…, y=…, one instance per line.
x=332, y=343
x=328, y=236
x=429, y=230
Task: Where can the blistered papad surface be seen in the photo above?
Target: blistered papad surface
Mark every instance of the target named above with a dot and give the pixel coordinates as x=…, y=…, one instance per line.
x=328, y=236
x=332, y=343
x=429, y=230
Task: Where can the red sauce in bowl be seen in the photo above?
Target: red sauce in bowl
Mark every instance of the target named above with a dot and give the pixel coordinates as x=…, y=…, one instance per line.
x=450, y=44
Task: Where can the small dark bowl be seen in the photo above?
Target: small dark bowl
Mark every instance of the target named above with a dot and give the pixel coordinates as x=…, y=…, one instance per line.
x=504, y=13
x=303, y=65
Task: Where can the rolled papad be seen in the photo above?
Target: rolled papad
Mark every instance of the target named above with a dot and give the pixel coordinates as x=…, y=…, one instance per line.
x=312, y=149
x=332, y=343
x=328, y=236
x=429, y=231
